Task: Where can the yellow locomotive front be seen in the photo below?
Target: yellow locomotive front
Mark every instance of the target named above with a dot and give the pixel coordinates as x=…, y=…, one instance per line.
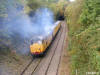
x=36, y=47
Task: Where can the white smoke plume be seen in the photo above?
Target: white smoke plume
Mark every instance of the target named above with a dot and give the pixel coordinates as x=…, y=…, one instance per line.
x=19, y=28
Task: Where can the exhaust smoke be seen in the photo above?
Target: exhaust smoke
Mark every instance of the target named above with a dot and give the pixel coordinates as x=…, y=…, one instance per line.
x=18, y=28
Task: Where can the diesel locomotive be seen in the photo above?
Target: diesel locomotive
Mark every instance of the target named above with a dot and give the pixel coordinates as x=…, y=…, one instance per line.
x=40, y=45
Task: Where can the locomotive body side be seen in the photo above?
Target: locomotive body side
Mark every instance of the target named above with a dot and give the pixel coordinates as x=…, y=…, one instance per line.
x=56, y=28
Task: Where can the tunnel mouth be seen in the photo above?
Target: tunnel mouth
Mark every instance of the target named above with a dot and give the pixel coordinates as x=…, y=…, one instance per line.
x=60, y=16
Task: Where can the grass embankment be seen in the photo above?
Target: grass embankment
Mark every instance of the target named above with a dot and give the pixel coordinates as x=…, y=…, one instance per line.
x=83, y=19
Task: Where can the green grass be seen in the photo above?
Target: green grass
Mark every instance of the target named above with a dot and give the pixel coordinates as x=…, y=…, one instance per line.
x=86, y=46
x=84, y=36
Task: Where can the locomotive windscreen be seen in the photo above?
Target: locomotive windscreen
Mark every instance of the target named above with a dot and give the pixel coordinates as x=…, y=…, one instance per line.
x=37, y=39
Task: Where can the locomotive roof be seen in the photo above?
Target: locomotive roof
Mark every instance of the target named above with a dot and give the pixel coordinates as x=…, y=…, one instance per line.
x=42, y=37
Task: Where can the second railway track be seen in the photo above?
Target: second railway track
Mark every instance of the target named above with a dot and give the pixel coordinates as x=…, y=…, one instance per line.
x=31, y=66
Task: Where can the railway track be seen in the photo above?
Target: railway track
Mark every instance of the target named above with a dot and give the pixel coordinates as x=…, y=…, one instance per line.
x=31, y=66
x=53, y=67
x=49, y=64
x=27, y=66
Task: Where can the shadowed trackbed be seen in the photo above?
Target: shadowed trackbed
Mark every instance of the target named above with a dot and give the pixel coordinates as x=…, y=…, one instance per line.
x=49, y=64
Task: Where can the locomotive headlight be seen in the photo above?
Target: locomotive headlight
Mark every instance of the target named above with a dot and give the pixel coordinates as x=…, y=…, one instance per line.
x=39, y=42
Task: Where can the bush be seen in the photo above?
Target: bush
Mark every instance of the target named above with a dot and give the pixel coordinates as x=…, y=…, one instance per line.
x=84, y=31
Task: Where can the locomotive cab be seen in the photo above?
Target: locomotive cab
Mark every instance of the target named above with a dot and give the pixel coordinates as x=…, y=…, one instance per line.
x=36, y=47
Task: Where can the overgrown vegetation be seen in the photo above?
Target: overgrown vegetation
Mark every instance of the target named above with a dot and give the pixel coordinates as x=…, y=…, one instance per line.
x=4, y=41
x=83, y=18
x=57, y=6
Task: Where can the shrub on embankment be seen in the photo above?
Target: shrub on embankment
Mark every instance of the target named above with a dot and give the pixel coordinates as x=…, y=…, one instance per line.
x=83, y=19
